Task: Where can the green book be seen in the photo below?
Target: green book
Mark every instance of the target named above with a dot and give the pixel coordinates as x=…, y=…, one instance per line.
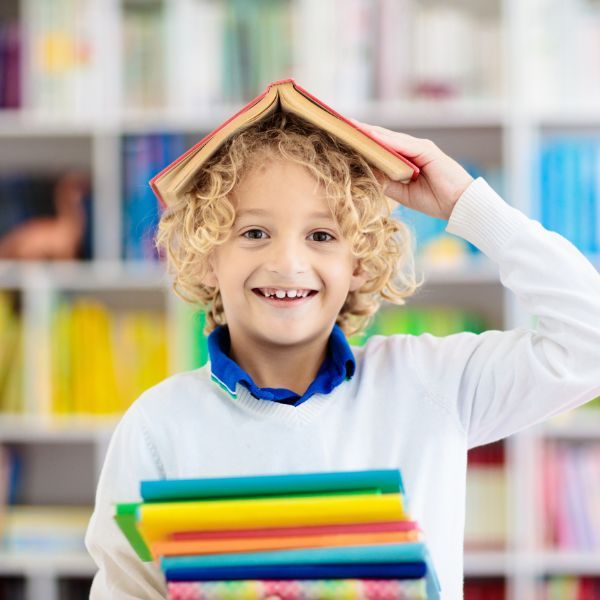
x=126, y=517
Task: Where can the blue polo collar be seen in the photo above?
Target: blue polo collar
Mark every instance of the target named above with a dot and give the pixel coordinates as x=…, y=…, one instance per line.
x=339, y=365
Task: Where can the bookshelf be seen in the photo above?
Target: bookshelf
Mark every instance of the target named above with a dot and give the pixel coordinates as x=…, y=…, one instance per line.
x=491, y=114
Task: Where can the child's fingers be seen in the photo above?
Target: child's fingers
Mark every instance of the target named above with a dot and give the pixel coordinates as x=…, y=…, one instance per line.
x=408, y=145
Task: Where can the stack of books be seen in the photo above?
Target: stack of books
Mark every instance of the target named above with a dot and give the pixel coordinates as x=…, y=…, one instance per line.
x=302, y=536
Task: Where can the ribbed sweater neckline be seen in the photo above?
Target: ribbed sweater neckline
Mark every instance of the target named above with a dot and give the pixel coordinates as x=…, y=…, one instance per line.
x=303, y=414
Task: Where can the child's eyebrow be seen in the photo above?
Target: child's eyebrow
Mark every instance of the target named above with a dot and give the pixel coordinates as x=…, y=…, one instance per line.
x=261, y=211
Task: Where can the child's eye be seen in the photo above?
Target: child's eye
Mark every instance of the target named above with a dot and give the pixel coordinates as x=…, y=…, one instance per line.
x=261, y=231
x=249, y=230
x=324, y=233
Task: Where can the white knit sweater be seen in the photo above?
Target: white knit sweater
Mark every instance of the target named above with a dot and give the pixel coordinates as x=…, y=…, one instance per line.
x=417, y=403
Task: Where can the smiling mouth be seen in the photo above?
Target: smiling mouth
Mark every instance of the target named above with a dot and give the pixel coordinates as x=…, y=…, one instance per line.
x=285, y=301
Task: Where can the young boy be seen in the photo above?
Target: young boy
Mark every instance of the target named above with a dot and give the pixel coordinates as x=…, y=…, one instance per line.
x=283, y=207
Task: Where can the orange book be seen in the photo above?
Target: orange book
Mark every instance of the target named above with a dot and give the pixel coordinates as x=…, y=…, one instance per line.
x=181, y=547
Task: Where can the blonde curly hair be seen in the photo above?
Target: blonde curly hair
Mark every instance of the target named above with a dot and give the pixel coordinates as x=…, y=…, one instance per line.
x=201, y=219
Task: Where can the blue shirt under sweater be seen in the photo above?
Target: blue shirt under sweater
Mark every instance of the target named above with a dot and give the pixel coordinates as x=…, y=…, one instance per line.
x=339, y=365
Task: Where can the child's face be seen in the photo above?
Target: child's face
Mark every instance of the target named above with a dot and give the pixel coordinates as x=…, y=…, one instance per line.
x=283, y=246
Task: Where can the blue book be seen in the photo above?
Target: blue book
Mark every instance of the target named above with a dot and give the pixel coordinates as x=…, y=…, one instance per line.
x=411, y=570
x=552, y=200
x=587, y=203
x=596, y=186
x=375, y=553
x=164, y=490
x=570, y=194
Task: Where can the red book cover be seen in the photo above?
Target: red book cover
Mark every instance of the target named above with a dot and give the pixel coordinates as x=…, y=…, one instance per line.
x=276, y=532
x=252, y=102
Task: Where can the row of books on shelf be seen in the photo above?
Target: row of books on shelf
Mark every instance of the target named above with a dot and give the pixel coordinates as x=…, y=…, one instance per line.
x=10, y=65
x=556, y=587
x=486, y=502
x=561, y=53
x=570, y=495
x=52, y=218
x=35, y=529
x=102, y=357
x=569, y=587
x=54, y=52
x=567, y=201
x=142, y=157
x=568, y=198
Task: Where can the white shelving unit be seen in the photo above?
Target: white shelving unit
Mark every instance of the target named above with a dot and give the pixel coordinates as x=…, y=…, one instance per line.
x=499, y=132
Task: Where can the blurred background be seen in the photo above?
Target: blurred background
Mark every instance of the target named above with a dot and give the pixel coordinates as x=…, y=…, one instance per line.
x=97, y=96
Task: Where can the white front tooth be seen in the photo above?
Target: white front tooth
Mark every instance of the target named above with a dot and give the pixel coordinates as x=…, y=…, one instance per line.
x=280, y=294
x=293, y=293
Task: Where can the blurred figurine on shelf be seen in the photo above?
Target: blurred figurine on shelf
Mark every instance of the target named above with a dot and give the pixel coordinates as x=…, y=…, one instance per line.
x=52, y=237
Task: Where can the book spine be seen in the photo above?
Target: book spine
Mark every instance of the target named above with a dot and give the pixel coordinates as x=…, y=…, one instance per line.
x=388, y=481
x=404, y=552
x=409, y=570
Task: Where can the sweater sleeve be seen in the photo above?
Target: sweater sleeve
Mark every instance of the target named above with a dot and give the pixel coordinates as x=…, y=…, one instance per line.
x=499, y=382
x=130, y=457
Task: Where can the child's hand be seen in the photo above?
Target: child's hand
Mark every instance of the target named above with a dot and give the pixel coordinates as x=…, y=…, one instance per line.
x=441, y=182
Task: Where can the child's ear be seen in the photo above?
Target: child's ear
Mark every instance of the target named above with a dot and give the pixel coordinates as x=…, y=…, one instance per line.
x=358, y=278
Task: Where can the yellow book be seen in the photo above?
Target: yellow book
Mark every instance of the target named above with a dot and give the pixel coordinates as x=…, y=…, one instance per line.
x=62, y=359
x=158, y=519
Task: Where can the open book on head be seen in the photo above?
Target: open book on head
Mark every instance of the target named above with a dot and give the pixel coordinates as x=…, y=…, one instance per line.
x=287, y=96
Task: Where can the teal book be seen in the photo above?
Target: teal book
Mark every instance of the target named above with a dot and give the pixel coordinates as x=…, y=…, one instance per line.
x=384, y=481
x=375, y=553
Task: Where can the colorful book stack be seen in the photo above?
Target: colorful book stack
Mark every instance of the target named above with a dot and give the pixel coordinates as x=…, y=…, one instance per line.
x=302, y=536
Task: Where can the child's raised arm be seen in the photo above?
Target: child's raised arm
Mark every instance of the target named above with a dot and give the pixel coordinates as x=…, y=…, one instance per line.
x=130, y=458
x=499, y=382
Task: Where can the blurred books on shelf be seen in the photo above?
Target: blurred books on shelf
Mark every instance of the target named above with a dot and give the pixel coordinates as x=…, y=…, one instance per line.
x=11, y=354
x=567, y=198
x=568, y=587
x=434, y=247
x=437, y=320
x=143, y=40
x=445, y=65
x=569, y=494
x=142, y=157
x=11, y=55
x=344, y=534
x=60, y=77
x=35, y=529
x=485, y=588
x=561, y=53
x=102, y=359
x=486, y=525
x=54, y=64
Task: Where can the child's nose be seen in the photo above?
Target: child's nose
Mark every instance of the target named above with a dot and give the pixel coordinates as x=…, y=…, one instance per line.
x=288, y=256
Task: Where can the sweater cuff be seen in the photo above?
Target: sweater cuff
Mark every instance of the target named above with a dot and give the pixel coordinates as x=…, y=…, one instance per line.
x=483, y=218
